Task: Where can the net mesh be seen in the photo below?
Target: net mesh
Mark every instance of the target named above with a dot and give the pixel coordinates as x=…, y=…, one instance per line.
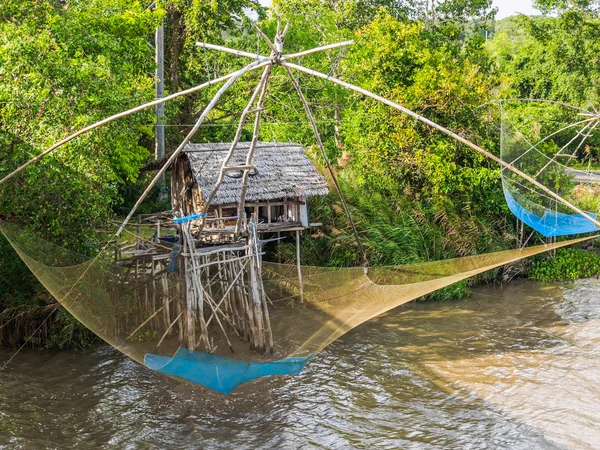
x=545, y=141
x=143, y=310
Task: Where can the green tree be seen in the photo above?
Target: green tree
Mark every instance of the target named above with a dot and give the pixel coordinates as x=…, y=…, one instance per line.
x=554, y=6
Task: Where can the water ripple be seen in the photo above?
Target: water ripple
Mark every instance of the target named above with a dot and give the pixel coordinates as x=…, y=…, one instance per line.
x=509, y=368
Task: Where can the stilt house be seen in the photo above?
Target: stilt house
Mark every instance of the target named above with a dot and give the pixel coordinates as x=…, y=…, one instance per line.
x=215, y=260
x=279, y=185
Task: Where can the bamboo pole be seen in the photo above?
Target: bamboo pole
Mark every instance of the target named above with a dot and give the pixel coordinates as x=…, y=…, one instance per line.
x=225, y=295
x=180, y=305
x=265, y=38
x=255, y=301
x=445, y=131
x=210, y=303
x=179, y=149
x=228, y=50
x=146, y=321
x=316, y=49
x=250, y=154
x=291, y=56
x=298, y=267
x=236, y=139
x=190, y=329
x=313, y=124
x=247, y=306
x=168, y=331
x=267, y=316
x=195, y=292
x=119, y=116
x=165, y=295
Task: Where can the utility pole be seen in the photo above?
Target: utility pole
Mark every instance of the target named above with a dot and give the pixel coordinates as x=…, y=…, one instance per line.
x=160, y=90
x=160, y=93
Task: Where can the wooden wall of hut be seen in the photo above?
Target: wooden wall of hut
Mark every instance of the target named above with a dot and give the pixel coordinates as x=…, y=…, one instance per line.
x=185, y=193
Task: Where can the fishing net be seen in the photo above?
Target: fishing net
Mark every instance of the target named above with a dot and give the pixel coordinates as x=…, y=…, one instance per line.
x=555, y=145
x=142, y=306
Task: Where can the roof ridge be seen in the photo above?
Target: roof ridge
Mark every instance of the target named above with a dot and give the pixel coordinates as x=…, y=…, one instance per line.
x=223, y=146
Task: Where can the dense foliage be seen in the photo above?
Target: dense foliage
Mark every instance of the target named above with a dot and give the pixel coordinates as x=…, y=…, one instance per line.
x=416, y=194
x=568, y=264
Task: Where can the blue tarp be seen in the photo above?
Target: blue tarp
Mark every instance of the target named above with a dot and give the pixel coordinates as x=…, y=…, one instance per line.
x=220, y=374
x=551, y=224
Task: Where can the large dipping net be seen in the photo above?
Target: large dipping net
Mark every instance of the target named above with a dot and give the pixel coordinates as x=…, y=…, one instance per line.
x=143, y=307
x=555, y=145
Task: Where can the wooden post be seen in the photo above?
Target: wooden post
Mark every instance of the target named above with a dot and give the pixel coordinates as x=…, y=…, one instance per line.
x=166, y=300
x=139, y=231
x=189, y=307
x=298, y=266
x=256, y=300
x=156, y=321
x=180, y=294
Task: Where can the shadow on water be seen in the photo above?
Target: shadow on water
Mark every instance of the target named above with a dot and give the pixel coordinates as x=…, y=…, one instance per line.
x=434, y=375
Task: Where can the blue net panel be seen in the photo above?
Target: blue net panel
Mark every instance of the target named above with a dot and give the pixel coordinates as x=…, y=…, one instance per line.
x=551, y=224
x=541, y=140
x=218, y=373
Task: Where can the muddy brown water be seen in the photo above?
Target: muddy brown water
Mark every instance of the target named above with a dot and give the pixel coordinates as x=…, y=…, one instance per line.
x=515, y=367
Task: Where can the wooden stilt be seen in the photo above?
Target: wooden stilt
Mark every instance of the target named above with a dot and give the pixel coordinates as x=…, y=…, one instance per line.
x=298, y=266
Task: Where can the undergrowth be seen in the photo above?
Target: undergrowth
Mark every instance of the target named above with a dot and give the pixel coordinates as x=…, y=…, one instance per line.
x=569, y=263
x=393, y=232
x=29, y=314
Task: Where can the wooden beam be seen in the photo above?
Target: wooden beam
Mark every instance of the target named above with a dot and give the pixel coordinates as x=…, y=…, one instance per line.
x=121, y=115
x=298, y=266
x=179, y=149
x=315, y=129
x=446, y=132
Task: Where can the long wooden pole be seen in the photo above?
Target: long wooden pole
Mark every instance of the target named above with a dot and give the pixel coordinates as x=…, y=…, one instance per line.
x=228, y=50
x=119, y=116
x=250, y=154
x=283, y=57
x=236, y=139
x=445, y=131
x=179, y=149
x=299, y=267
x=581, y=132
x=313, y=124
x=159, y=43
x=318, y=138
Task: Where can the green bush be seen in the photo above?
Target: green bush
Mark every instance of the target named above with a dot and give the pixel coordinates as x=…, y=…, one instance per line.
x=568, y=264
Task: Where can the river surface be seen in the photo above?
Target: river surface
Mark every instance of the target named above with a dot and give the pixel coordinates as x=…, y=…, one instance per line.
x=515, y=367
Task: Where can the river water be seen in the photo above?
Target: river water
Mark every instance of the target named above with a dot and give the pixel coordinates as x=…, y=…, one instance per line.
x=515, y=367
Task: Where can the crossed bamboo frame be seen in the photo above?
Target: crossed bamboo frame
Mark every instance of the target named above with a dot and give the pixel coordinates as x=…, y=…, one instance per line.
x=276, y=58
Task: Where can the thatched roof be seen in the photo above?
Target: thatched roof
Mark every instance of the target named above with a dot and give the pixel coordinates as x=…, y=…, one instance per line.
x=282, y=171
